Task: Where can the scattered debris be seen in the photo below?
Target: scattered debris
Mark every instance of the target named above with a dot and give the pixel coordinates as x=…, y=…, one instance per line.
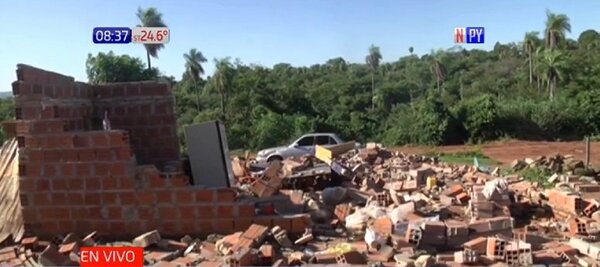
x=375, y=206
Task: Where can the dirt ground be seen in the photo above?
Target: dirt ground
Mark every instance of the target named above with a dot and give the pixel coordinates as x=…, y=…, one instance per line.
x=506, y=152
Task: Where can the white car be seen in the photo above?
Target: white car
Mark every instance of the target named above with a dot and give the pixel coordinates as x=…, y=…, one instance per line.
x=303, y=146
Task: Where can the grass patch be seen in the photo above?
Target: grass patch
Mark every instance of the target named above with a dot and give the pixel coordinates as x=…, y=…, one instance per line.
x=465, y=158
x=537, y=174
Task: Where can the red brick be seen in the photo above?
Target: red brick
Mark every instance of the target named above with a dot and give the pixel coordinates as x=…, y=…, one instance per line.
x=109, y=198
x=92, y=183
x=155, y=180
x=164, y=196
x=50, y=227
x=41, y=199
x=83, y=169
x=206, y=212
x=205, y=195
x=117, y=139
x=142, y=120
x=34, y=170
x=282, y=222
x=179, y=181
x=64, y=141
x=50, y=170
x=241, y=224
x=188, y=227
x=99, y=140
x=225, y=195
x=101, y=168
x=169, y=227
x=30, y=214
x=118, y=227
x=146, y=198
x=69, y=155
x=67, y=170
x=58, y=198
x=115, y=212
x=122, y=153
x=126, y=182
x=86, y=154
x=79, y=213
x=225, y=211
x=246, y=210
x=52, y=213
x=264, y=220
x=81, y=141
x=204, y=227
x=128, y=198
x=110, y=183
x=30, y=185
x=59, y=184
x=35, y=156
x=118, y=168
x=92, y=198
x=75, y=198
x=168, y=213
x=76, y=184
x=223, y=226
x=146, y=108
x=299, y=224
x=101, y=226
x=184, y=196
x=146, y=212
x=104, y=154
x=187, y=212
x=41, y=184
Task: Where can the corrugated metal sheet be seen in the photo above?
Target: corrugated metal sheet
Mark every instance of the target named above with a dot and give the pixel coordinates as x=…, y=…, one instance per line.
x=11, y=219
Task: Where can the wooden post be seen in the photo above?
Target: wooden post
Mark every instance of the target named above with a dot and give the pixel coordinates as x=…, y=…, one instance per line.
x=587, y=152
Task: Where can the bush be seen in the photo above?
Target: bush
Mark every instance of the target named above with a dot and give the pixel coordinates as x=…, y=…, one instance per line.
x=428, y=123
x=479, y=117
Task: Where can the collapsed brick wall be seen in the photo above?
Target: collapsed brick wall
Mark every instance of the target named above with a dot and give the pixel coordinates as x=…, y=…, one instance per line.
x=146, y=111
x=76, y=178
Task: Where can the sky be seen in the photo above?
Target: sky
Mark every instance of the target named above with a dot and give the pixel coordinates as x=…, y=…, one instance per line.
x=57, y=35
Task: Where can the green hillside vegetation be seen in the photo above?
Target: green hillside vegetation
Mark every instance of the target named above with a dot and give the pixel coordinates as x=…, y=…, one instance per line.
x=544, y=87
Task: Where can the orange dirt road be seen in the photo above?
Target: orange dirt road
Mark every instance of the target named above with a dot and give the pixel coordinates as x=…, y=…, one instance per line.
x=506, y=152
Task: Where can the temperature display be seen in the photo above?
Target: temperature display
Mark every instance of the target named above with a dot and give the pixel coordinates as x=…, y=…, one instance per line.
x=150, y=35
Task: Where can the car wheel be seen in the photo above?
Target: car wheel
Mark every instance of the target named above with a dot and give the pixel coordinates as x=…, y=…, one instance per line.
x=272, y=158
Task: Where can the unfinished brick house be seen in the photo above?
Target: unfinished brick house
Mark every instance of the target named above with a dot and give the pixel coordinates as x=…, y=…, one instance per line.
x=63, y=173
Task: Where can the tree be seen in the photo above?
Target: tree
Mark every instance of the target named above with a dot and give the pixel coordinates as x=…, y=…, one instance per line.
x=530, y=44
x=222, y=79
x=151, y=18
x=588, y=39
x=108, y=68
x=373, y=59
x=557, y=25
x=437, y=67
x=193, y=67
x=552, y=65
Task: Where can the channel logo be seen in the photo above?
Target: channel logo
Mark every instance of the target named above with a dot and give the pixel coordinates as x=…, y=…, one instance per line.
x=469, y=35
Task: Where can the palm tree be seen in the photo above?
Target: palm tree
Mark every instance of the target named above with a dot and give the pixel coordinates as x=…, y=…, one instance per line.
x=373, y=60
x=530, y=44
x=151, y=18
x=557, y=25
x=538, y=68
x=552, y=66
x=222, y=79
x=437, y=67
x=193, y=67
